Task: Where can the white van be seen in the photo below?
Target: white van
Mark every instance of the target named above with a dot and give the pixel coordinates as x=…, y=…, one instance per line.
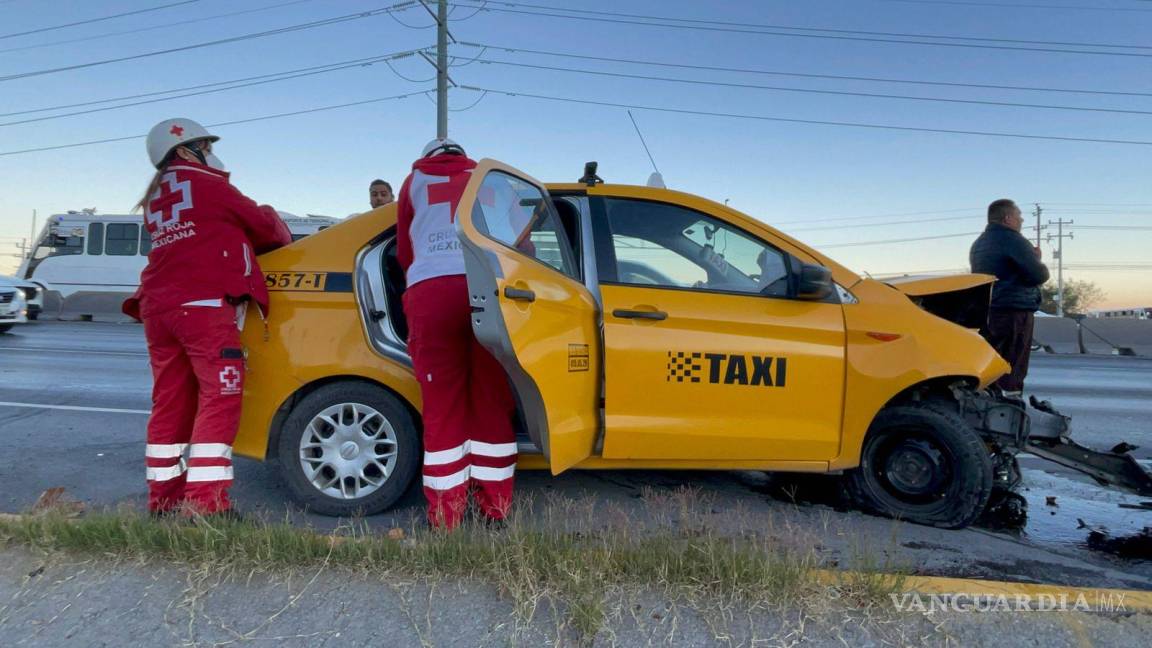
x=87, y=263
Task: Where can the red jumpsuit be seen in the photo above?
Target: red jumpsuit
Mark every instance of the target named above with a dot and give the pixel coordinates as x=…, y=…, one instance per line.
x=469, y=442
x=201, y=274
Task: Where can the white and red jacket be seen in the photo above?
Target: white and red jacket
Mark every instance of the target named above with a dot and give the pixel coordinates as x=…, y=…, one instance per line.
x=427, y=245
x=205, y=238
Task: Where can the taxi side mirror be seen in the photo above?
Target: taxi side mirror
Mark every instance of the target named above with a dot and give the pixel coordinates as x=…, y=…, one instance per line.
x=815, y=282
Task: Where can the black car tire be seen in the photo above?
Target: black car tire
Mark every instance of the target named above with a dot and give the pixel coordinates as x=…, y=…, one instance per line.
x=4, y=328
x=367, y=395
x=924, y=465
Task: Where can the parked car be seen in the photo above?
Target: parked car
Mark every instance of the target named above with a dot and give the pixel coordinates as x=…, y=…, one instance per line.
x=640, y=327
x=33, y=294
x=13, y=305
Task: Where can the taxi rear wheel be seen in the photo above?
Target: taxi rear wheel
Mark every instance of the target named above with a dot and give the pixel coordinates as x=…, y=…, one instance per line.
x=923, y=465
x=348, y=448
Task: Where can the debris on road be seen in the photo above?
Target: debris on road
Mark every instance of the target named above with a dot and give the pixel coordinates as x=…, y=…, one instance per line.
x=1137, y=546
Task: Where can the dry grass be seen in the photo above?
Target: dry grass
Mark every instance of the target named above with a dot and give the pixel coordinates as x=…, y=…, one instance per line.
x=561, y=554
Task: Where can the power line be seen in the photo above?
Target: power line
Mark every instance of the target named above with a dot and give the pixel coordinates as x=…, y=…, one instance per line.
x=899, y=240
x=887, y=224
x=871, y=95
x=816, y=122
x=1116, y=228
x=387, y=59
x=855, y=218
x=72, y=41
x=838, y=77
x=352, y=62
x=724, y=23
x=218, y=124
x=96, y=20
x=1016, y=6
x=401, y=6
x=834, y=34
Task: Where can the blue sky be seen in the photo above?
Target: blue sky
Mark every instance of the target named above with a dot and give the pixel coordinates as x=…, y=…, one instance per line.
x=799, y=176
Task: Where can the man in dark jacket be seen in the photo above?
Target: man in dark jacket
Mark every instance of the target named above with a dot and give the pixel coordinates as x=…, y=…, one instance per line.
x=1003, y=251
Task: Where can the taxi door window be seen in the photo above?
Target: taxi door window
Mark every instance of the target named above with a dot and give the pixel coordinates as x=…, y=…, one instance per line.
x=518, y=215
x=658, y=244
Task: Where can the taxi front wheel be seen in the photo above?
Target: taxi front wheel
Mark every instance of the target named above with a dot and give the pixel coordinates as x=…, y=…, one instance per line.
x=923, y=464
x=348, y=448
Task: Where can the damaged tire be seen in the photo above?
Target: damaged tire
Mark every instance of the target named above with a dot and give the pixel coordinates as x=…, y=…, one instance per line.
x=922, y=465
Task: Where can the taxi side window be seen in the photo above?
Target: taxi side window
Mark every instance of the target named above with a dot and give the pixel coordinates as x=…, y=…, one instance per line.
x=657, y=244
x=517, y=214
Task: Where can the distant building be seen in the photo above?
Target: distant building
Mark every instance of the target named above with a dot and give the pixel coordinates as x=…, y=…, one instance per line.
x=1137, y=312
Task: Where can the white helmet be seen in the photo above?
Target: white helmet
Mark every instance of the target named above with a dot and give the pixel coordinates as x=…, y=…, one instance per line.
x=171, y=133
x=441, y=145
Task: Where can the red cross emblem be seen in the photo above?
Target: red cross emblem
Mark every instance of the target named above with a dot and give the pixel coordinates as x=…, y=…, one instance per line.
x=169, y=200
x=230, y=380
x=177, y=130
x=449, y=192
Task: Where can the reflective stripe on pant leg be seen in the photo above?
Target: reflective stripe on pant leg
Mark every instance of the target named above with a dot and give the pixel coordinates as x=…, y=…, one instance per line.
x=444, y=457
x=209, y=474
x=165, y=473
x=164, y=450
x=210, y=451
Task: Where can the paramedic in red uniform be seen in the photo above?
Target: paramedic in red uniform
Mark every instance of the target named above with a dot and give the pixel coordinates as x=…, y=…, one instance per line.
x=469, y=443
x=200, y=281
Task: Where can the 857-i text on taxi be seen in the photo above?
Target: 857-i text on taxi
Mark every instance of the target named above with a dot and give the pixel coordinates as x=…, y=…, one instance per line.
x=640, y=328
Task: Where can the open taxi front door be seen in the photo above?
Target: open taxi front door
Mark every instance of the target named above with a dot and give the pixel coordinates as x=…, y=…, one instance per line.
x=530, y=310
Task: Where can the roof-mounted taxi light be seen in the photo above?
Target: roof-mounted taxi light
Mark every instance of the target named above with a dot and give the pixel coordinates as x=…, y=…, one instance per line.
x=590, y=178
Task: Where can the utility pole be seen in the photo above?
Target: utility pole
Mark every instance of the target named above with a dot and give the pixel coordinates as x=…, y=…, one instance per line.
x=442, y=69
x=1060, y=236
x=1037, y=212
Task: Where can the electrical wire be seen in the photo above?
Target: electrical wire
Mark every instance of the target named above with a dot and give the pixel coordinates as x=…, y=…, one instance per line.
x=89, y=21
x=899, y=240
x=846, y=93
x=360, y=63
x=838, y=77
x=472, y=15
x=857, y=218
x=1016, y=6
x=218, y=124
x=452, y=59
x=349, y=63
x=833, y=34
x=886, y=224
x=402, y=6
x=816, y=122
x=410, y=80
x=73, y=41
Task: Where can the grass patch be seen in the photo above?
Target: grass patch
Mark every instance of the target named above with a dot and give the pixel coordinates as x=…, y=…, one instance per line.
x=576, y=569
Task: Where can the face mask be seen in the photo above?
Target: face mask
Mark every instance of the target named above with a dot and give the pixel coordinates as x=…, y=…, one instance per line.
x=214, y=162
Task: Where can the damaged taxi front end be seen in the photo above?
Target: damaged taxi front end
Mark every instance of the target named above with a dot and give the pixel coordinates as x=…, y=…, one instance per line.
x=1010, y=426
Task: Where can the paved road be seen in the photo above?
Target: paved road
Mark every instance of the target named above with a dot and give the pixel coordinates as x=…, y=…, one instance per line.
x=74, y=400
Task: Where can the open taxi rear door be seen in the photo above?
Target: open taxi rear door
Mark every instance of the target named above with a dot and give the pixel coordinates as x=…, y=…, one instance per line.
x=530, y=309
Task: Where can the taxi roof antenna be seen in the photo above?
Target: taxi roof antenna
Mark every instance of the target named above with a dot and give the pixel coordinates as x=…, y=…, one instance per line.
x=656, y=179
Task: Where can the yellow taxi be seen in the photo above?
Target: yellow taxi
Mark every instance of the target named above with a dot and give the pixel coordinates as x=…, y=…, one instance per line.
x=640, y=327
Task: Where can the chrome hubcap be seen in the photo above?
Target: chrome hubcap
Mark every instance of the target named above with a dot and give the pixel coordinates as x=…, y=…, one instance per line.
x=348, y=451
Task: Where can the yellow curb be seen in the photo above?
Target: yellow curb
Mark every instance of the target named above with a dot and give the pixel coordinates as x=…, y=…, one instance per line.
x=1131, y=600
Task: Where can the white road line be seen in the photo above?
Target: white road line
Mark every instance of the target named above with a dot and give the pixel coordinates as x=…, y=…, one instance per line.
x=74, y=408
x=77, y=351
